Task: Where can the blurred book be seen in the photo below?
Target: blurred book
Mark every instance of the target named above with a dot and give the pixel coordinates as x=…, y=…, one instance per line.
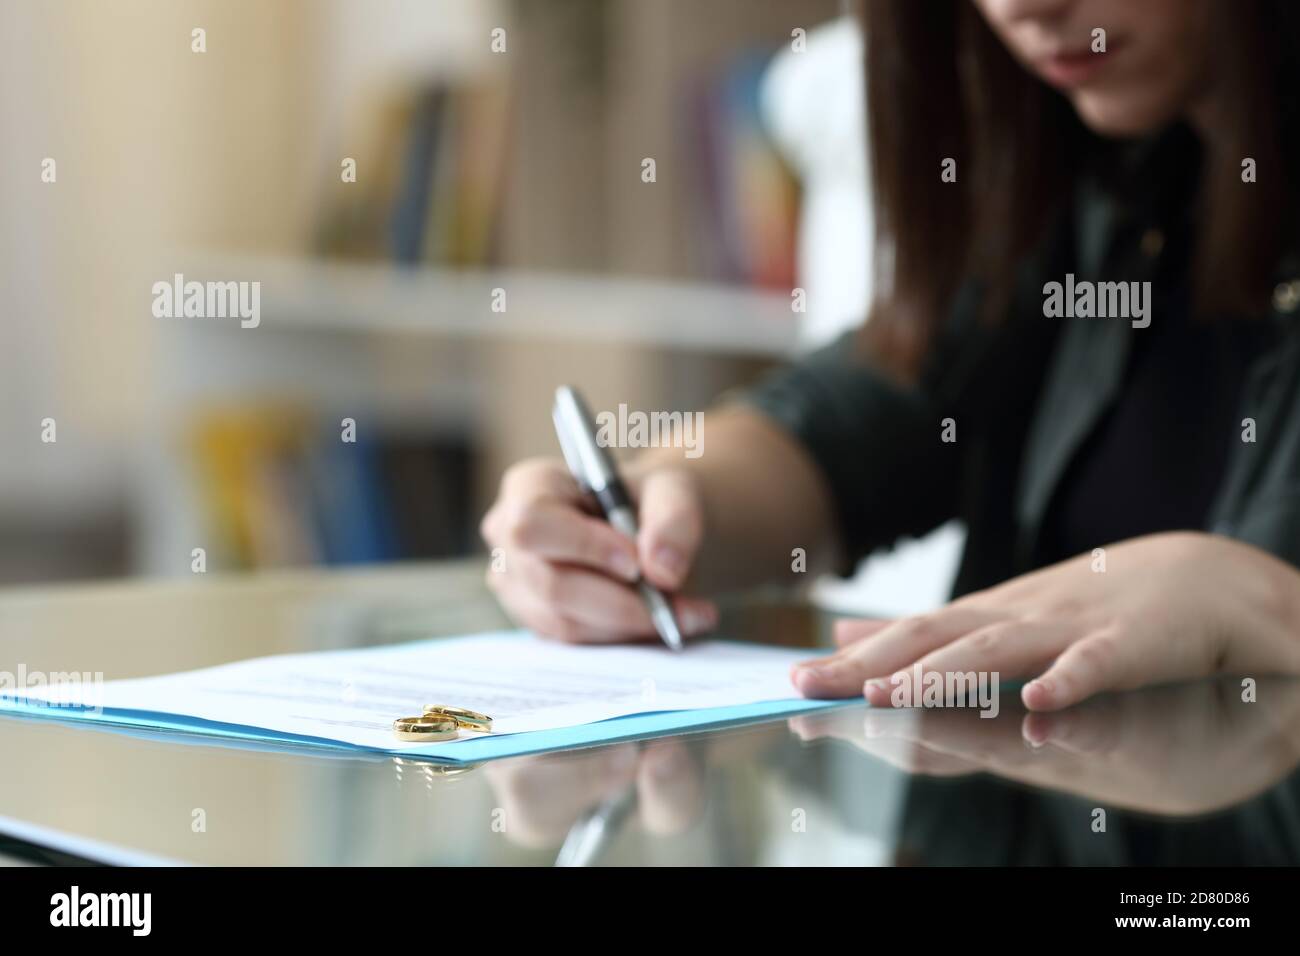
x=749, y=202
x=428, y=483
x=279, y=488
x=411, y=206
x=434, y=193
x=248, y=463
x=470, y=178
x=356, y=216
x=351, y=519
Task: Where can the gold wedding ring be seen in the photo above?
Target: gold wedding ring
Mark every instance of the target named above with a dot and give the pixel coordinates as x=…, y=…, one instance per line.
x=465, y=719
x=426, y=728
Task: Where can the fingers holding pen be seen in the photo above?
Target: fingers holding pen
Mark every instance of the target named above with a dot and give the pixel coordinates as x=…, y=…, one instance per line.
x=555, y=531
x=567, y=573
x=672, y=527
x=571, y=603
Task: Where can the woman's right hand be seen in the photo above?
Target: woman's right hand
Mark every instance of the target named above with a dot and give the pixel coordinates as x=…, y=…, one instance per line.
x=562, y=571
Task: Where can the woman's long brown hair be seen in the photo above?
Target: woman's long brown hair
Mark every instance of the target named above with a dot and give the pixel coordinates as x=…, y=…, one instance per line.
x=941, y=85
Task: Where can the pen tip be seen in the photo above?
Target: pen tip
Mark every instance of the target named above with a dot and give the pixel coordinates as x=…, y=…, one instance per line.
x=665, y=622
x=673, y=637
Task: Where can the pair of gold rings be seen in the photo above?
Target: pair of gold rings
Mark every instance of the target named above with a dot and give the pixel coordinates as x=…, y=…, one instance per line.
x=465, y=719
x=440, y=722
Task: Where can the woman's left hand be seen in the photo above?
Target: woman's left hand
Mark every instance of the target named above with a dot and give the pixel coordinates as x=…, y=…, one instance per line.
x=1166, y=607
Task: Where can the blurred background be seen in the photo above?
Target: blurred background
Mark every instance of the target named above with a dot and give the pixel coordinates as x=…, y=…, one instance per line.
x=498, y=144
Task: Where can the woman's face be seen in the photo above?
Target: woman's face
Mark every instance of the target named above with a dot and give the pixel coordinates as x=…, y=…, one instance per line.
x=1154, y=68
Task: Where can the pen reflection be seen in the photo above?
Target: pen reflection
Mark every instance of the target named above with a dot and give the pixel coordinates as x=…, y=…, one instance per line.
x=1187, y=773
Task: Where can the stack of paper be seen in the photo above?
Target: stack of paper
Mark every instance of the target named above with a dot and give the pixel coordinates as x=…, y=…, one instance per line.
x=541, y=695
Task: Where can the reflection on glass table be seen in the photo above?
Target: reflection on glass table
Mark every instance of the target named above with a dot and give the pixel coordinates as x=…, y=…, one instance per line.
x=1184, y=774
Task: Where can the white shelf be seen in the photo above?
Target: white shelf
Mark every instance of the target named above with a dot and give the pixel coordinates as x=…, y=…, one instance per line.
x=299, y=295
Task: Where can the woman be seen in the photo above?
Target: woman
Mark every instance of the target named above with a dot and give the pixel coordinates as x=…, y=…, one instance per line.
x=1130, y=484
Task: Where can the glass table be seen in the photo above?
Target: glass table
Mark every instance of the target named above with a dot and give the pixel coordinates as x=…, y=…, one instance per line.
x=1187, y=774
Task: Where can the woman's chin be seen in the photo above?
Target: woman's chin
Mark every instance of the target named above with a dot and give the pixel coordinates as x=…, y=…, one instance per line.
x=1119, y=117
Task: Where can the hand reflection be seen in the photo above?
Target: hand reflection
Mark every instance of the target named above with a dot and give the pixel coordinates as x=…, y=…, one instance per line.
x=1176, y=750
x=544, y=796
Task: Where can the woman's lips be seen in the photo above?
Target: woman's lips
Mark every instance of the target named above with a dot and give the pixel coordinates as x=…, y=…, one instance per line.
x=1072, y=69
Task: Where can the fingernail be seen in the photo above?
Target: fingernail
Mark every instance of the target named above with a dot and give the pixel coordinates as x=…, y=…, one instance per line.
x=1035, y=729
x=878, y=685
x=671, y=560
x=624, y=565
x=811, y=668
x=806, y=676
x=1037, y=693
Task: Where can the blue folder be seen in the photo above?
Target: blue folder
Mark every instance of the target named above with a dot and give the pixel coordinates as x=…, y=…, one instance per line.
x=472, y=751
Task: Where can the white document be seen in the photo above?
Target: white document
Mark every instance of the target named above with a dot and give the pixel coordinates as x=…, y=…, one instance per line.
x=523, y=683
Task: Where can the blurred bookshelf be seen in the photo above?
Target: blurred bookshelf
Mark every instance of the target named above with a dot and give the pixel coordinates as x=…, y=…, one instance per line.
x=314, y=295
x=437, y=384
x=520, y=173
